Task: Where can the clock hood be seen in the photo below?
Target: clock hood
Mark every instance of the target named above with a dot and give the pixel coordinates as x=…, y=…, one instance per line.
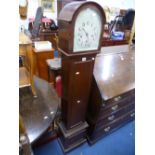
x=73, y=7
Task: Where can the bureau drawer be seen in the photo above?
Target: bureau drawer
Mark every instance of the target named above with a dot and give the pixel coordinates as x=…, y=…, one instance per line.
x=117, y=104
x=112, y=126
x=102, y=121
x=114, y=108
x=117, y=99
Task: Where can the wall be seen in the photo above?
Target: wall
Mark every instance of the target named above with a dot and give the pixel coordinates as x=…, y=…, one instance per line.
x=33, y=5
x=122, y=4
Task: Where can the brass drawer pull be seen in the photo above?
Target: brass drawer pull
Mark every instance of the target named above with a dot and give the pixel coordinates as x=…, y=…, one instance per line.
x=22, y=138
x=107, y=129
x=77, y=73
x=115, y=107
x=132, y=115
x=103, y=104
x=117, y=98
x=111, y=118
x=78, y=101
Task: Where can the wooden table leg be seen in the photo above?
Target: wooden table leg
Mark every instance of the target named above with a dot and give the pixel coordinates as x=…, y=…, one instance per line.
x=32, y=70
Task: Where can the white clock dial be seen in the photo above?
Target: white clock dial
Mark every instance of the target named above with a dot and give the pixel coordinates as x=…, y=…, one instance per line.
x=87, y=30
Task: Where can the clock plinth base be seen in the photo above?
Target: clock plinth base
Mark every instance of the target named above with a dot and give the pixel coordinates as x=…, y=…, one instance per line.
x=70, y=139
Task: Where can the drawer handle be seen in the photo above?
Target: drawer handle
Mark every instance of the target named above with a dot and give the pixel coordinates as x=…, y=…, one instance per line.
x=111, y=118
x=22, y=138
x=103, y=104
x=117, y=98
x=77, y=73
x=132, y=115
x=114, y=107
x=107, y=129
x=78, y=101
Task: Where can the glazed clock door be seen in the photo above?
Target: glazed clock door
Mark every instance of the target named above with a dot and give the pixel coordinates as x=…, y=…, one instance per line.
x=87, y=30
x=81, y=73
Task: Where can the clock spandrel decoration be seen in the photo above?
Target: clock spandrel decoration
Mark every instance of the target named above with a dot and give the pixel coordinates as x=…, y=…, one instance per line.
x=80, y=33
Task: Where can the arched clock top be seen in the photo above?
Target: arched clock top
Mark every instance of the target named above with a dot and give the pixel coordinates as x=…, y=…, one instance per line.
x=81, y=26
x=70, y=10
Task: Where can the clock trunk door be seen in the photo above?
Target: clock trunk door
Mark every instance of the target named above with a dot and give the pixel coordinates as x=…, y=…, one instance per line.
x=80, y=82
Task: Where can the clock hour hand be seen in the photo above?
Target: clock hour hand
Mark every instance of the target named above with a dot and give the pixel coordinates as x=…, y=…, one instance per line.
x=85, y=32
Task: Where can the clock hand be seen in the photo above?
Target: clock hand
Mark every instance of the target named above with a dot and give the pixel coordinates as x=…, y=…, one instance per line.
x=85, y=32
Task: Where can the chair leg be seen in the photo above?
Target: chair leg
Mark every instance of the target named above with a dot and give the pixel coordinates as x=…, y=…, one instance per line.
x=132, y=33
x=31, y=56
x=33, y=88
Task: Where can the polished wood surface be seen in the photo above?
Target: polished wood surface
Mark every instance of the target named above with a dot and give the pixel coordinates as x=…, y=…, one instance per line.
x=115, y=74
x=62, y=3
x=69, y=10
x=112, y=97
x=38, y=113
x=40, y=65
x=77, y=67
x=76, y=83
x=77, y=72
x=72, y=138
x=106, y=129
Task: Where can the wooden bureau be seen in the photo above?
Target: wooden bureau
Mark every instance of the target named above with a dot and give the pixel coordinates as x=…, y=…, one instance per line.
x=40, y=65
x=112, y=98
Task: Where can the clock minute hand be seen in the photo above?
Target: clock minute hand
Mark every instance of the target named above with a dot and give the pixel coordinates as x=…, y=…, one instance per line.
x=85, y=32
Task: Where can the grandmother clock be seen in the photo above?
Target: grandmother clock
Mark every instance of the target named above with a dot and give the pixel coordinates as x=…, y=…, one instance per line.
x=80, y=33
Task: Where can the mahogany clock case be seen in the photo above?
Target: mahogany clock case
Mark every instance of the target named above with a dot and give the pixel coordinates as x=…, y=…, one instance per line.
x=72, y=138
x=77, y=73
x=66, y=22
x=77, y=67
x=62, y=3
x=76, y=85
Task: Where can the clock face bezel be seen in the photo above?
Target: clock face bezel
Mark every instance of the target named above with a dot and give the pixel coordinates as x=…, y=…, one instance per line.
x=66, y=22
x=97, y=8
x=87, y=30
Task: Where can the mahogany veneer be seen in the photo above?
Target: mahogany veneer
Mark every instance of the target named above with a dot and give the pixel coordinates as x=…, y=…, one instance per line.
x=112, y=98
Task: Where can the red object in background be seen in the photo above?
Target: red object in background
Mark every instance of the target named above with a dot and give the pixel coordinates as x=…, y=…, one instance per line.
x=31, y=20
x=44, y=20
x=58, y=85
